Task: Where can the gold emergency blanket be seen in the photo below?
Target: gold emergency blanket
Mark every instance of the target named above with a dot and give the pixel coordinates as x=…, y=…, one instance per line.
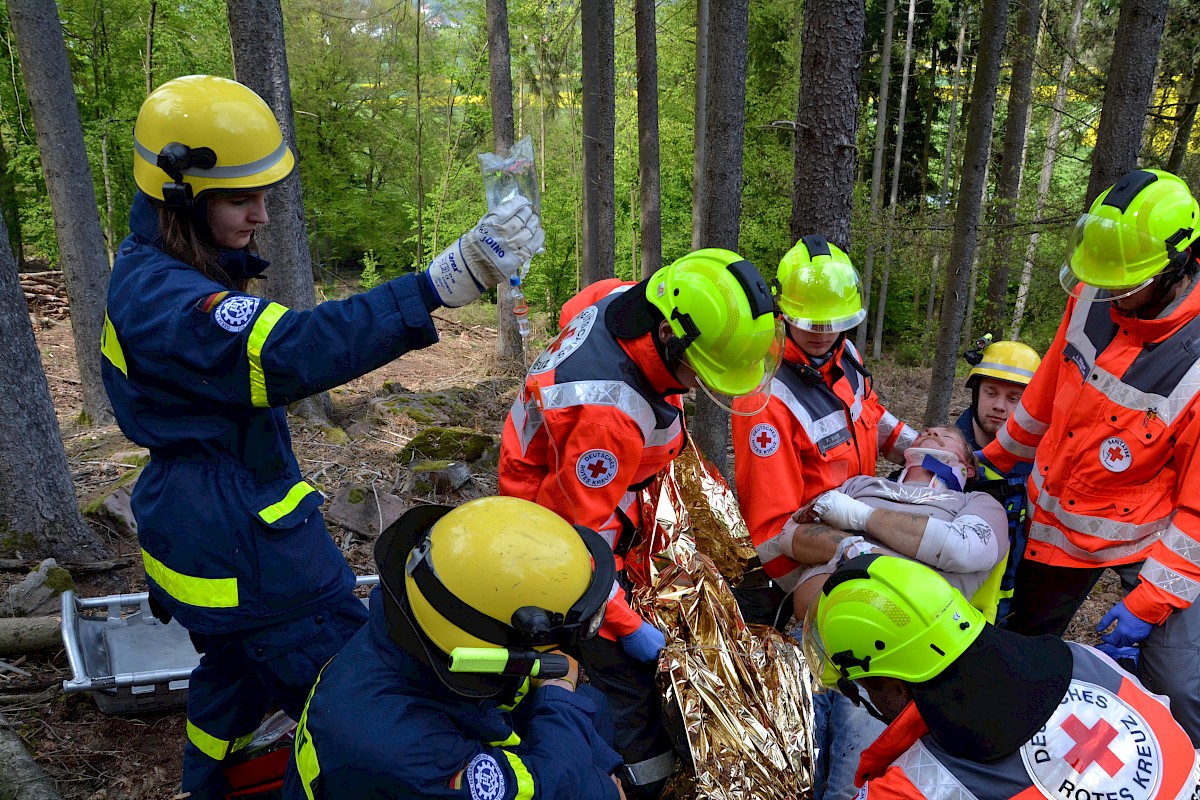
x=738, y=694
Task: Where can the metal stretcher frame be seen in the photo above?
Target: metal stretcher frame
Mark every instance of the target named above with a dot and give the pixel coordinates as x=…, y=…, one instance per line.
x=129, y=660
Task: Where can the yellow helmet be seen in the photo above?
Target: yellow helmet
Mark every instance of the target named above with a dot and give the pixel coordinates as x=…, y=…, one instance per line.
x=819, y=289
x=202, y=133
x=1006, y=361
x=496, y=572
x=1130, y=234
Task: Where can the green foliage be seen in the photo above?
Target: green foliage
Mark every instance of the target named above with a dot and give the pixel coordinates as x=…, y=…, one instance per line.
x=370, y=274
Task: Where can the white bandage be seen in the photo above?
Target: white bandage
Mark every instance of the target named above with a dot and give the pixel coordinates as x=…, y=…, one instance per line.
x=842, y=511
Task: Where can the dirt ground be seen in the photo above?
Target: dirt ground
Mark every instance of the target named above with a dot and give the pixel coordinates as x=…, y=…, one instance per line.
x=91, y=756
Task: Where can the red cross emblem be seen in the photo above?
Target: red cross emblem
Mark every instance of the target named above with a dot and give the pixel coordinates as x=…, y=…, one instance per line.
x=562, y=337
x=1115, y=455
x=764, y=439
x=596, y=468
x=1091, y=746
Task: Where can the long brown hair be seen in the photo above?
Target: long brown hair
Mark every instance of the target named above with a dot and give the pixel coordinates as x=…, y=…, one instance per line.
x=186, y=236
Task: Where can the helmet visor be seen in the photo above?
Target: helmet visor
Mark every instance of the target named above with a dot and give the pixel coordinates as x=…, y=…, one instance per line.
x=757, y=376
x=1112, y=257
x=819, y=663
x=830, y=325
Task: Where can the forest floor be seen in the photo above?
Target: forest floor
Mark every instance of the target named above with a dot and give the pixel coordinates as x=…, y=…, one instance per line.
x=90, y=756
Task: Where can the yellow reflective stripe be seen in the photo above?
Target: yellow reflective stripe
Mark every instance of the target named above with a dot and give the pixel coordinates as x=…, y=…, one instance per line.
x=202, y=592
x=987, y=596
x=206, y=743
x=518, y=696
x=305, y=751
x=241, y=742
x=254, y=347
x=524, y=779
x=512, y=741
x=110, y=347
x=277, y=511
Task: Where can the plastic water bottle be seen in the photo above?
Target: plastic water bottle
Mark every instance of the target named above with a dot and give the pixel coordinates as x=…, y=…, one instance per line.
x=520, y=307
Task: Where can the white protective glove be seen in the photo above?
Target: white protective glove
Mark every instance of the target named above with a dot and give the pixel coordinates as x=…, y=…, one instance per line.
x=842, y=511
x=487, y=254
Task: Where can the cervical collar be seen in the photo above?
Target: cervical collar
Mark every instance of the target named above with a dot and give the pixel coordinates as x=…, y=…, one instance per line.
x=947, y=470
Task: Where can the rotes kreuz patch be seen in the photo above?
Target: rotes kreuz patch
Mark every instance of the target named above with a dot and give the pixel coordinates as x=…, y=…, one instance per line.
x=1095, y=745
x=567, y=340
x=596, y=468
x=234, y=313
x=485, y=778
x=1115, y=454
x=764, y=439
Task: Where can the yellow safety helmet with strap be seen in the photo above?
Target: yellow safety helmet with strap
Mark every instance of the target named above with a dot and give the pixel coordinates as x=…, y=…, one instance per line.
x=202, y=133
x=819, y=289
x=1132, y=232
x=1006, y=361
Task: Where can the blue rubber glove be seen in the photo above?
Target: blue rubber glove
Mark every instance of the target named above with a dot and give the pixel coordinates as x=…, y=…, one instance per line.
x=1120, y=654
x=645, y=643
x=1123, y=639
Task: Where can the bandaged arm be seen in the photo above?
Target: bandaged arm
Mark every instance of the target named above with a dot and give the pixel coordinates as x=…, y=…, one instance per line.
x=974, y=541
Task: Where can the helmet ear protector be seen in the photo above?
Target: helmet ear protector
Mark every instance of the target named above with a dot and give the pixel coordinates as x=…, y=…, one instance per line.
x=531, y=626
x=174, y=159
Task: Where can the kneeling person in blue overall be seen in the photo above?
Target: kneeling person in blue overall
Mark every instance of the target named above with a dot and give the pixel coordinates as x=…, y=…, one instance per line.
x=438, y=696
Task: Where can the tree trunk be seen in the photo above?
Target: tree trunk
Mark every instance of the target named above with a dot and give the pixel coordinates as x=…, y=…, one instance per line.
x=51, y=94
x=149, y=65
x=39, y=513
x=420, y=27
x=10, y=213
x=952, y=121
x=599, y=132
x=509, y=347
x=110, y=234
x=966, y=217
x=260, y=62
x=699, y=190
x=1048, y=159
x=724, y=134
x=1185, y=120
x=885, y=74
x=1012, y=160
x=1131, y=75
x=881, y=304
x=827, y=120
x=648, y=162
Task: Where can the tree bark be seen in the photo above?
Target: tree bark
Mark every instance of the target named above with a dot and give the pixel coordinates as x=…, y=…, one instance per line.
x=893, y=198
x=509, y=347
x=724, y=133
x=260, y=62
x=1183, y=127
x=1131, y=75
x=885, y=75
x=1012, y=160
x=39, y=513
x=827, y=120
x=699, y=190
x=648, y=160
x=599, y=132
x=20, y=635
x=1052, y=134
x=51, y=94
x=10, y=212
x=975, y=160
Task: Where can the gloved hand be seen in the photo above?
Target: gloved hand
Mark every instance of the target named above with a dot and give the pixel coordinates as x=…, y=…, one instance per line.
x=842, y=511
x=645, y=643
x=489, y=253
x=1120, y=654
x=1130, y=630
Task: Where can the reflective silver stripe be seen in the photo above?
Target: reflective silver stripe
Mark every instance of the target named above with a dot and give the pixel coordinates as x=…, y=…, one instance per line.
x=615, y=394
x=1182, y=545
x=992, y=365
x=232, y=171
x=1048, y=534
x=905, y=440
x=1029, y=422
x=1170, y=581
x=1123, y=394
x=930, y=777
x=1014, y=447
x=1183, y=394
x=788, y=582
x=816, y=430
x=1076, y=334
x=771, y=549
x=887, y=424
x=1100, y=527
x=526, y=420
x=857, y=405
x=652, y=769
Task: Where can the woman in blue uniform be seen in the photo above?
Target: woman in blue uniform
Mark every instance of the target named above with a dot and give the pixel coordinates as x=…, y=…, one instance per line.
x=200, y=371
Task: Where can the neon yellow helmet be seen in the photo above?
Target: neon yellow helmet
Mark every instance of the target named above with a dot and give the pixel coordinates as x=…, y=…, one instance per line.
x=1130, y=234
x=820, y=290
x=1006, y=361
x=884, y=616
x=723, y=314
x=203, y=133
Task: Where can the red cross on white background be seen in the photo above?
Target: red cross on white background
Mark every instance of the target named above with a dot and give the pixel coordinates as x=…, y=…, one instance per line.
x=1091, y=746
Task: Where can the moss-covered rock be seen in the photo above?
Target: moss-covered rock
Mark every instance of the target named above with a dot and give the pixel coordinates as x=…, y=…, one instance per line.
x=446, y=444
x=335, y=435
x=59, y=579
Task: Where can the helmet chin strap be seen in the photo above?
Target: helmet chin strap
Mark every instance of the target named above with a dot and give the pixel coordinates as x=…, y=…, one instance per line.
x=850, y=689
